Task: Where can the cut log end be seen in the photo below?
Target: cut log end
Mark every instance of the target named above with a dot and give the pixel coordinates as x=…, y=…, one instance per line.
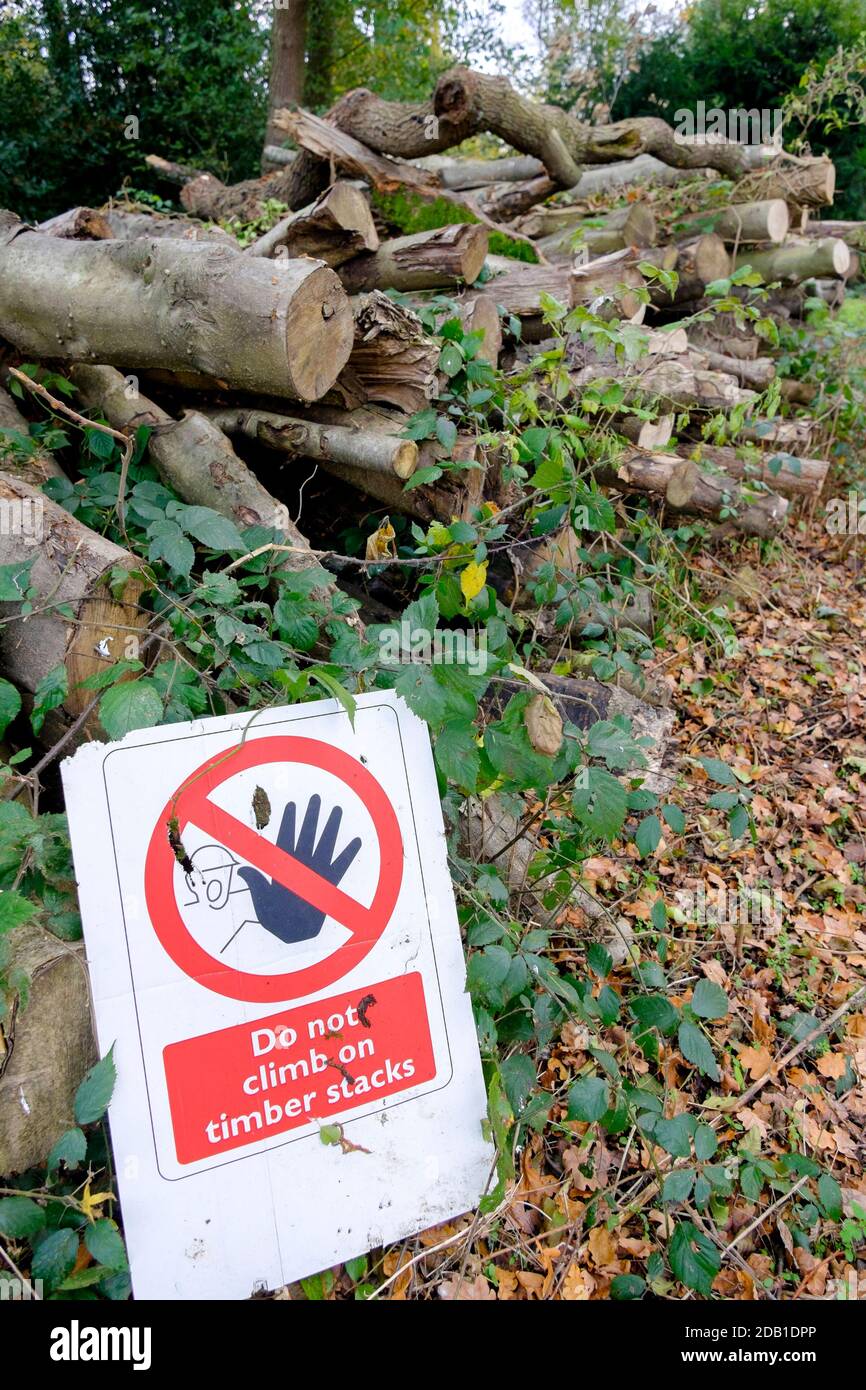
x=319, y=335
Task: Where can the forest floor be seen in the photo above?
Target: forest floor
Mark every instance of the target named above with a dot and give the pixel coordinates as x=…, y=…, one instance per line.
x=785, y=936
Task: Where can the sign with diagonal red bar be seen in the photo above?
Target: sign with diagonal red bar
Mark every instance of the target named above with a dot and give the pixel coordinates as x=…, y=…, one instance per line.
x=192, y=804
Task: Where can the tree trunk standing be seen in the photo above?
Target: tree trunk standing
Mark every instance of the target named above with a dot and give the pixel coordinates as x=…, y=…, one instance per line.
x=319, y=74
x=284, y=328
x=288, y=45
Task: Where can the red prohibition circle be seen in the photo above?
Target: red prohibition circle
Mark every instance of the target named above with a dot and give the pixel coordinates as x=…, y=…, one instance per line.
x=191, y=804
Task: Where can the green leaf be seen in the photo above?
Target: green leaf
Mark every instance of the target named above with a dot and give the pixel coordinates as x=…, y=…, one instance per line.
x=109, y=675
x=616, y=746
x=627, y=1286
x=648, y=835
x=94, y=1093
x=20, y=1218
x=105, y=1243
x=674, y=1135
x=696, y=1049
x=14, y=910
x=70, y=1148
x=738, y=821
x=450, y=359
x=210, y=529
x=518, y=1078
x=830, y=1197
x=600, y=802
x=14, y=581
x=675, y=819
x=422, y=476
x=751, y=1181
x=655, y=1011
x=709, y=1000
x=295, y=621
x=10, y=705
x=719, y=772
x=168, y=543
x=694, y=1259
x=705, y=1142
x=50, y=692
x=599, y=960
x=588, y=1099
x=678, y=1185
x=458, y=755
x=54, y=1257
x=446, y=432
x=130, y=705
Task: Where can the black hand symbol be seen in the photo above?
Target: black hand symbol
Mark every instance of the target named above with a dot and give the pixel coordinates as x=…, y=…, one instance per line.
x=278, y=909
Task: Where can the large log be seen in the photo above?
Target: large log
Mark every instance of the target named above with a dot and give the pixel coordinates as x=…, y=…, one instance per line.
x=19, y=455
x=75, y=620
x=806, y=259
x=684, y=487
x=607, y=286
x=645, y=170
x=284, y=328
x=793, y=477
x=333, y=229
x=633, y=225
x=852, y=233
x=756, y=373
x=505, y=201
x=804, y=182
x=742, y=224
x=478, y=173
x=700, y=261
x=46, y=1045
x=440, y=259
x=467, y=103
x=367, y=451
x=191, y=455
x=725, y=336
x=673, y=380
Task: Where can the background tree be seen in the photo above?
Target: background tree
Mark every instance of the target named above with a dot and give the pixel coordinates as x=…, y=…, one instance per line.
x=288, y=48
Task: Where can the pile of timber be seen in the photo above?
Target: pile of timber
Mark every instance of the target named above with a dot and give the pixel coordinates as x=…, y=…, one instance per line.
x=307, y=343
x=250, y=360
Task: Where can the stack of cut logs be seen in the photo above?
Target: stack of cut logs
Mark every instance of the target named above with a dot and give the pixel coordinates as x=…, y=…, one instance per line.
x=290, y=346
x=241, y=355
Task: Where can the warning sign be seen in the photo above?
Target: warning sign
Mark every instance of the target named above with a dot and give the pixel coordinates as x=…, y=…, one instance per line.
x=275, y=956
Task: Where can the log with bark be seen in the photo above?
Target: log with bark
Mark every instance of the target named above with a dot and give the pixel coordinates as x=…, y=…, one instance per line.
x=802, y=259
x=724, y=335
x=852, y=233
x=700, y=261
x=46, y=1045
x=327, y=142
x=685, y=487
x=76, y=620
x=671, y=379
x=793, y=477
x=504, y=201
x=633, y=225
x=802, y=181
x=79, y=224
x=756, y=372
x=284, y=328
x=367, y=451
x=477, y=173
x=478, y=314
x=742, y=224
x=444, y=258
x=127, y=223
x=333, y=229
x=607, y=286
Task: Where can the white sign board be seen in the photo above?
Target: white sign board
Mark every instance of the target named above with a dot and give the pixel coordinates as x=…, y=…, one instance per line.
x=274, y=950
